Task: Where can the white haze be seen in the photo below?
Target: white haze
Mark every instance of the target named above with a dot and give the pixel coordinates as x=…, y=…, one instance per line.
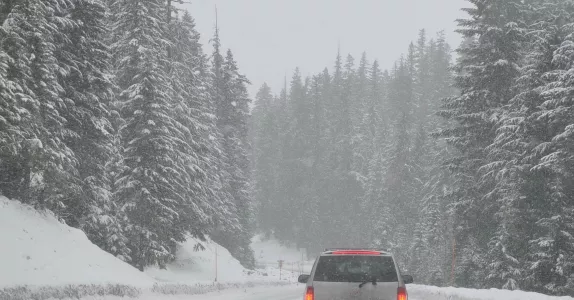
x=271, y=37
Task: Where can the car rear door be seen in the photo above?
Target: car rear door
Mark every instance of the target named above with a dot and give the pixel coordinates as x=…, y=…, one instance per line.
x=351, y=277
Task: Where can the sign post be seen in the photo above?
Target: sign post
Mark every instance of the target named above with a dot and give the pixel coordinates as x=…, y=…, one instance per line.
x=453, y=260
x=301, y=264
x=280, y=267
x=215, y=262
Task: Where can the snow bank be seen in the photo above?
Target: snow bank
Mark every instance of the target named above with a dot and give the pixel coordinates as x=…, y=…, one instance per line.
x=36, y=249
x=41, y=258
x=285, y=292
x=450, y=293
x=192, y=267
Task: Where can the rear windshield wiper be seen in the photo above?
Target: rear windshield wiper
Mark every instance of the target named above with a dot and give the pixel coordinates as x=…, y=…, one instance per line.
x=373, y=280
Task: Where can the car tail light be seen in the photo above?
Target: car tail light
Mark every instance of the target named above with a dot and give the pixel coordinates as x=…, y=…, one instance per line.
x=401, y=293
x=310, y=294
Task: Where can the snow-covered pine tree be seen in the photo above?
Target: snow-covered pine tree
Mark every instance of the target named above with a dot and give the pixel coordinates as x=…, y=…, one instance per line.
x=283, y=212
x=487, y=70
x=427, y=181
x=190, y=84
x=548, y=129
x=84, y=61
x=232, y=112
x=519, y=186
x=423, y=65
x=297, y=156
x=317, y=147
x=345, y=186
x=48, y=177
x=237, y=147
x=221, y=178
x=435, y=216
x=421, y=157
x=14, y=129
x=398, y=180
x=154, y=186
x=361, y=140
x=375, y=129
x=359, y=107
x=319, y=204
x=263, y=148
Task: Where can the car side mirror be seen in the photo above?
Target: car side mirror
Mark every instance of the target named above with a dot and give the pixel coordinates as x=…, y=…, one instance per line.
x=303, y=278
x=408, y=279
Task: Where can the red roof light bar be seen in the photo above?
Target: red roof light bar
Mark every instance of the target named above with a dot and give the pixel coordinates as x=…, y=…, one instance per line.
x=356, y=252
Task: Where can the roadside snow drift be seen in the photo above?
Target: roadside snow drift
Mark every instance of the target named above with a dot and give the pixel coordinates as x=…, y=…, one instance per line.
x=450, y=293
x=192, y=266
x=36, y=249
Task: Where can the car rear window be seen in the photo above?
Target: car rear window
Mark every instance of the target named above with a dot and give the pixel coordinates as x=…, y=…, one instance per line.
x=359, y=268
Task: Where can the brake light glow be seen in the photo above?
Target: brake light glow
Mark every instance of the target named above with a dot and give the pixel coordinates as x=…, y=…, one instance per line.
x=356, y=252
x=402, y=293
x=310, y=294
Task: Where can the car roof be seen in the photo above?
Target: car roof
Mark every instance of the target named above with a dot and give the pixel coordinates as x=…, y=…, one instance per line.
x=356, y=251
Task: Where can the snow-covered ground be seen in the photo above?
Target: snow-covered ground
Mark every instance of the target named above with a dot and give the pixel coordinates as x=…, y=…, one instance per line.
x=295, y=292
x=200, y=266
x=191, y=267
x=421, y=292
x=288, y=292
x=38, y=251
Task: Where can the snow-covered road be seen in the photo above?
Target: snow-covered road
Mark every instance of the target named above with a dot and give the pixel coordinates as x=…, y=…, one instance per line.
x=295, y=292
x=291, y=292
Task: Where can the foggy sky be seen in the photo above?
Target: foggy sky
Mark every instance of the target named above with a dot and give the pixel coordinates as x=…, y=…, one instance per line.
x=269, y=38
